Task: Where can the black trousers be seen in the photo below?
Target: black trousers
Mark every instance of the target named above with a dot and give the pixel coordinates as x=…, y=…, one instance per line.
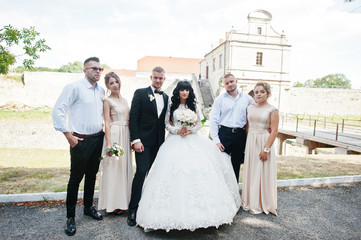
x=84, y=160
x=234, y=143
x=144, y=162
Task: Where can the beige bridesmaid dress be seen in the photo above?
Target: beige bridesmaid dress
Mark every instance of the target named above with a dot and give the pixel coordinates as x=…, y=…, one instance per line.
x=259, y=191
x=116, y=174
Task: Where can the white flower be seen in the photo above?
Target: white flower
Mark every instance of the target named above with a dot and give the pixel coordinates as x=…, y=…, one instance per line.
x=151, y=97
x=186, y=117
x=116, y=151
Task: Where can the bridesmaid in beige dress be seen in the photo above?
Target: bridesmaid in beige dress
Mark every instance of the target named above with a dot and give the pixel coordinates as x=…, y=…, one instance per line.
x=259, y=191
x=116, y=174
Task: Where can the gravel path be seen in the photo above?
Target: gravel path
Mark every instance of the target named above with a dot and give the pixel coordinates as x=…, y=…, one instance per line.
x=304, y=213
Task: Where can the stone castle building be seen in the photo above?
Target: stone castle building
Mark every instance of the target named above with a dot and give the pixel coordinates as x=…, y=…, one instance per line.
x=255, y=52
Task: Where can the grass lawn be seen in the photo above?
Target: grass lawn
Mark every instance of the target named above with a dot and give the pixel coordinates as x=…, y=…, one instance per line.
x=36, y=114
x=40, y=170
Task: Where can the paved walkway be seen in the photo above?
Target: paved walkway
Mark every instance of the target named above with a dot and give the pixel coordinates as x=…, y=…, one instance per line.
x=304, y=213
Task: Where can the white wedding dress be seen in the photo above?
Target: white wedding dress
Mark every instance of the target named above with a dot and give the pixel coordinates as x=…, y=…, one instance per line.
x=190, y=185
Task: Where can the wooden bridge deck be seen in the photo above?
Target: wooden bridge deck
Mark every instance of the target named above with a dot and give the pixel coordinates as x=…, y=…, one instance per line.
x=350, y=143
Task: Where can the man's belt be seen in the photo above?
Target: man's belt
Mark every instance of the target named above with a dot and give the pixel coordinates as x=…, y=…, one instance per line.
x=88, y=135
x=232, y=130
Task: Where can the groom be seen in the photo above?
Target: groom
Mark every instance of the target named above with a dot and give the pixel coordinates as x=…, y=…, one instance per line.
x=147, y=130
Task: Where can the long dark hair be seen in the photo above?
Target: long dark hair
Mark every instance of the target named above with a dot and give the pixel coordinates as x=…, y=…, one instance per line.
x=191, y=100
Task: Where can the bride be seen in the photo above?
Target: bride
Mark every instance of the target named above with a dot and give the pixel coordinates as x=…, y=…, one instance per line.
x=191, y=183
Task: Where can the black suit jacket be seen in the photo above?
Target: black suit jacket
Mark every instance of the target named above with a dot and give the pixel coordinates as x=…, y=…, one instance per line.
x=144, y=123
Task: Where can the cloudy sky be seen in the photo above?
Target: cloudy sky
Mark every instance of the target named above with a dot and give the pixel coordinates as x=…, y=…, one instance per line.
x=325, y=34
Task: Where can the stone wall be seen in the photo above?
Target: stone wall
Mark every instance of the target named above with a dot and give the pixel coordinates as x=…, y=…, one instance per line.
x=43, y=88
x=324, y=101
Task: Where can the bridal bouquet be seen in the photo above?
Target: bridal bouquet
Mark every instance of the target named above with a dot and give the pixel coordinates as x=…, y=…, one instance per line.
x=186, y=117
x=116, y=150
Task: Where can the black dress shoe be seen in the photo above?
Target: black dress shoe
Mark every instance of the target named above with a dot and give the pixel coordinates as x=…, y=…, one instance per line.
x=90, y=211
x=131, y=218
x=69, y=227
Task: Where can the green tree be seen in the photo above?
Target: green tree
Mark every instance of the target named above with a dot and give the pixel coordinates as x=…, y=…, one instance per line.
x=25, y=38
x=309, y=83
x=105, y=66
x=337, y=80
x=21, y=69
x=75, y=67
x=298, y=84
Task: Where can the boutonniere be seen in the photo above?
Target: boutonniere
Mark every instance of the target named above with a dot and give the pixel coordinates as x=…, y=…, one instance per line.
x=102, y=98
x=151, y=97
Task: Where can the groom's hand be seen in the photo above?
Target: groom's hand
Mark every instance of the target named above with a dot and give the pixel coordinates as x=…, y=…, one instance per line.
x=138, y=147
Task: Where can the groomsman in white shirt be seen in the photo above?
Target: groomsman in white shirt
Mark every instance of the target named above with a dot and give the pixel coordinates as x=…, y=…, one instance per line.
x=82, y=102
x=228, y=121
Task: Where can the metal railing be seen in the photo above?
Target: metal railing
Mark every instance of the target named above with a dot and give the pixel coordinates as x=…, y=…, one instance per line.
x=340, y=129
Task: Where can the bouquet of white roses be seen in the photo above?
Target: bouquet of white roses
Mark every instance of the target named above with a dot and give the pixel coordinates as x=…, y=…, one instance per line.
x=186, y=117
x=116, y=150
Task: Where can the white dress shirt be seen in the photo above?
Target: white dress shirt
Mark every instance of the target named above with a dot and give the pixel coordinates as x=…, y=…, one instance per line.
x=83, y=104
x=159, y=100
x=229, y=112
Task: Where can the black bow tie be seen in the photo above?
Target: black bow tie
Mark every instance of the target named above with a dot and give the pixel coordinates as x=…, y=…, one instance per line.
x=158, y=92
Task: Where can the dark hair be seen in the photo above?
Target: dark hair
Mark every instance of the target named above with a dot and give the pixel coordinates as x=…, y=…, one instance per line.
x=95, y=59
x=191, y=100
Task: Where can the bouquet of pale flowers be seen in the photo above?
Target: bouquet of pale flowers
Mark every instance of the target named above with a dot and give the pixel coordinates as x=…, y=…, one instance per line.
x=186, y=117
x=116, y=151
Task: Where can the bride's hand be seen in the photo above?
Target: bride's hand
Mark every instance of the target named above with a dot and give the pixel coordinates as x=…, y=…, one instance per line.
x=184, y=133
x=180, y=132
x=187, y=132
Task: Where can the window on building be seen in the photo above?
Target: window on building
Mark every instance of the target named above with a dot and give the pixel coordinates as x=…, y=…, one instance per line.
x=259, y=58
x=221, y=61
x=214, y=64
x=259, y=30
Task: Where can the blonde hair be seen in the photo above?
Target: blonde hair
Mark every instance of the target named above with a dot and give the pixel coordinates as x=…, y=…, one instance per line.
x=265, y=85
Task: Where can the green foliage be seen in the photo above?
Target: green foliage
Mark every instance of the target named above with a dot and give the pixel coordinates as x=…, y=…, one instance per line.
x=14, y=78
x=204, y=120
x=336, y=80
x=22, y=69
x=105, y=66
x=298, y=84
x=43, y=113
x=75, y=67
x=26, y=38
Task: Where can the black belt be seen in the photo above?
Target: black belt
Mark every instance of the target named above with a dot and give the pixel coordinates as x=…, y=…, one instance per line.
x=88, y=135
x=232, y=130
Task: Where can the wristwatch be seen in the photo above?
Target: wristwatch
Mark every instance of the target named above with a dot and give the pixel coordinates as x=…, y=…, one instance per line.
x=266, y=150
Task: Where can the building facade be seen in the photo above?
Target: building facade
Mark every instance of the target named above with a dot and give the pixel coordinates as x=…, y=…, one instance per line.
x=256, y=52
